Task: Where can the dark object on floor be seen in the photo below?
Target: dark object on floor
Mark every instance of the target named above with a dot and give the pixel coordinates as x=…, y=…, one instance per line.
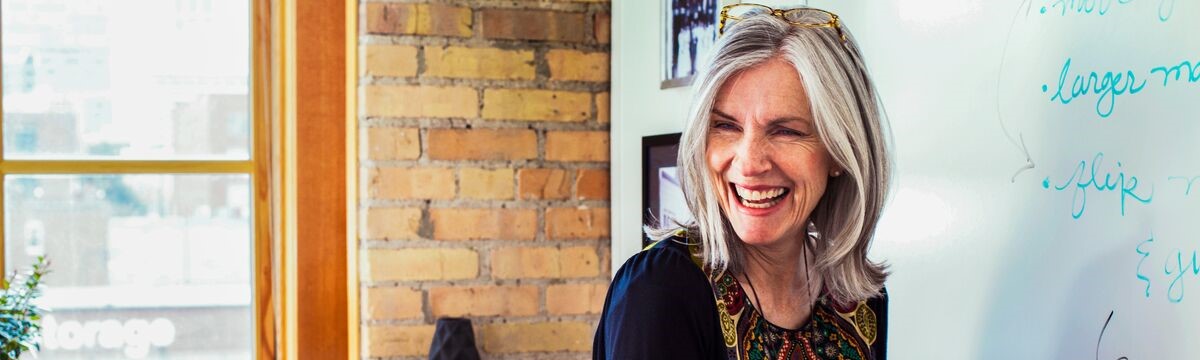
x=453, y=339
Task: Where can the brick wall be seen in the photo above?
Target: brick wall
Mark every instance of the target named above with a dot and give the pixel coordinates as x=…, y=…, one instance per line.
x=484, y=194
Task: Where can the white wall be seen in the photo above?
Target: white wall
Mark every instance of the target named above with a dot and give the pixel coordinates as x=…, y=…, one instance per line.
x=639, y=108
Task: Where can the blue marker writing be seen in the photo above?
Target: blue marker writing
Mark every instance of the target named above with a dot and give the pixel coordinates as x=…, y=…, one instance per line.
x=1082, y=183
x=1109, y=86
x=1145, y=254
x=1185, y=67
x=1180, y=270
x=1188, y=182
x=1099, y=7
x=1165, y=9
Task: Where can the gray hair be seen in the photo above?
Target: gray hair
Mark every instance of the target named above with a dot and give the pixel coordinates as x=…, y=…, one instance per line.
x=848, y=119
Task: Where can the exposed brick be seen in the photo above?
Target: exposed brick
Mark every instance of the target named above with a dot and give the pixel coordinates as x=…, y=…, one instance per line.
x=411, y=183
x=420, y=264
x=389, y=303
x=577, y=145
x=533, y=104
x=543, y=184
x=390, y=60
x=575, y=299
x=498, y=188
x=533, y=25
x=420, y=101
x=580, y=262
x=475, y=183
x=602, y=27
x=482, y=144
x=577, y=223
x=591, y=184
x=392, y=223
x=483, y=224
x=478, y=63
x=386, y=143
x=389, y=340
x=538, y=337
x=544, y=262
x=568, y=65
x=602, y=108
x=418, y=19
x=484, y=301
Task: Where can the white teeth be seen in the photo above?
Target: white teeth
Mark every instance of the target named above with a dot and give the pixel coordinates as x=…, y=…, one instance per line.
x=749, y=204
x=753, y=195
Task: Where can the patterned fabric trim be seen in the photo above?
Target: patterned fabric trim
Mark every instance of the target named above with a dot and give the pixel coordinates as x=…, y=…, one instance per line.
x=832, y=331
x=829, y=333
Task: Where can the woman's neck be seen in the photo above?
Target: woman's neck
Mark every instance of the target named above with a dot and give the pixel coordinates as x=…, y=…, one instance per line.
x=777, y=266
x=779, y=285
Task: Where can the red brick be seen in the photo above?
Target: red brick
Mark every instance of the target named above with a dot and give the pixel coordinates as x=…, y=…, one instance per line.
x=418, y=19
x=602, y=27
x=577, y=223
x=483, y=224
x=577, y=145
x=603, y=106
x=482, y=144
x=484, y=301
x=533, y=25
x=543, y=184
x=591, y=184
x=575, y=299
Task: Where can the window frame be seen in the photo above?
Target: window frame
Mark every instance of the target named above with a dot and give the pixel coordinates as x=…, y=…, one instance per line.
x=265, y=99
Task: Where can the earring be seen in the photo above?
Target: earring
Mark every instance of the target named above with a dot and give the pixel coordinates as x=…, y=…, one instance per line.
x=837, y=173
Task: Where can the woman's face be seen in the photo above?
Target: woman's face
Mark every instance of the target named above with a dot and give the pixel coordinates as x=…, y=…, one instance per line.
x=763, y=147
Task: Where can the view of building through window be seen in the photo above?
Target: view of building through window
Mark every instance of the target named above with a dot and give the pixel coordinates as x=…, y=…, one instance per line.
x=143, y=266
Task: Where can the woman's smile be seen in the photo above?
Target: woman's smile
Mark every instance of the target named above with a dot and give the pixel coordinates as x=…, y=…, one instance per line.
x=759, y=200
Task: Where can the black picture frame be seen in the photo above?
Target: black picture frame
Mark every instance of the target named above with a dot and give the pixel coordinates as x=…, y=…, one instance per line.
x=658, y=152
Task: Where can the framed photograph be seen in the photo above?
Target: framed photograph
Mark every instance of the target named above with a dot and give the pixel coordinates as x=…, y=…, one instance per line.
x=691, y=29
x=662, y=197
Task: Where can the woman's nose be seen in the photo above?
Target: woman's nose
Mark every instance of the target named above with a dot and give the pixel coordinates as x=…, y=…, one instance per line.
x=752, y=157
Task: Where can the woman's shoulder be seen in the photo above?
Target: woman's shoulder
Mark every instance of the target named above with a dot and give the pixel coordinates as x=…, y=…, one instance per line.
x=659, y=305
x=667, y=264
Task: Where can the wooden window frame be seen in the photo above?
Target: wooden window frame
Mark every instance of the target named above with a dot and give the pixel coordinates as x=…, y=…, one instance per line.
x=305, y=242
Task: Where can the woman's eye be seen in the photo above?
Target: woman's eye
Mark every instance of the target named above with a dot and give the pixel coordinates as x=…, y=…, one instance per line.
x=789, y=132
x=722, y=125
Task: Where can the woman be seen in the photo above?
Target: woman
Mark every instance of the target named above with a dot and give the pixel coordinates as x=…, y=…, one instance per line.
x=784, y=168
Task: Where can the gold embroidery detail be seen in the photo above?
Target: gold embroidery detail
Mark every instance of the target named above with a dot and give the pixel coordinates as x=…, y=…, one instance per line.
x=728, y=328
x=864, y=320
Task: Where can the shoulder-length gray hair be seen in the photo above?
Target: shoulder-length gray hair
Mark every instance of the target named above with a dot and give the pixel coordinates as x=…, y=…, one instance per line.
x=848, y=119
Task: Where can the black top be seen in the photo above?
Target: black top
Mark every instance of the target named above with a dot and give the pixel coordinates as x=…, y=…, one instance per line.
x=661, y=305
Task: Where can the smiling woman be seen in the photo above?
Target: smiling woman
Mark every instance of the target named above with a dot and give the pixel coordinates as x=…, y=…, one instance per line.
x=784, y=166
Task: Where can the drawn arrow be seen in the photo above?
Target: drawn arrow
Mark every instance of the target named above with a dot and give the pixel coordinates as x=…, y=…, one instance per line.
x=999, y=115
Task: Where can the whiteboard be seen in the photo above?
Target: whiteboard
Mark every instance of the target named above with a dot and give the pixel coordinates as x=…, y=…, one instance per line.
x=1047, y=184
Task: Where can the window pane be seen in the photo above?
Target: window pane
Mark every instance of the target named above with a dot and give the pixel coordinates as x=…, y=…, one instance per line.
x=143, y=79
x=141, y=266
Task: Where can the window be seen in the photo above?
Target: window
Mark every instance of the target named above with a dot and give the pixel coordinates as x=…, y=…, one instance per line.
x=128, y=160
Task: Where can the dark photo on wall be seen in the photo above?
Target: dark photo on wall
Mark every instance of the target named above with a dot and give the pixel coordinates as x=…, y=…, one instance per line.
x=662, y=197
x=691, y=30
